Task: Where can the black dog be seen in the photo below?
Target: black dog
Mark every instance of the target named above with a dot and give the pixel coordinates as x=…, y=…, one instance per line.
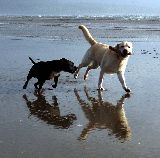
x=47, y=70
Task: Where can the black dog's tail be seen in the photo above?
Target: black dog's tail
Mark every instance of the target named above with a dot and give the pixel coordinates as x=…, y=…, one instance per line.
x=32, y=60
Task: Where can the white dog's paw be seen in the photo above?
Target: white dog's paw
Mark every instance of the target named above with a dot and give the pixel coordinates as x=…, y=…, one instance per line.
x=85, y=77
x=75, y=76
x=127, y=90
x=100, y=89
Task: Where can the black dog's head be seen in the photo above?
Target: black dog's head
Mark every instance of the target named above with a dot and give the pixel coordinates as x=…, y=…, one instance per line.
x=68, y=66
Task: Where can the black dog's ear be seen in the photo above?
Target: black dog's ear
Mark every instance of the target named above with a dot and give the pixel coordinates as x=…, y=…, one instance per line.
x=63, y=59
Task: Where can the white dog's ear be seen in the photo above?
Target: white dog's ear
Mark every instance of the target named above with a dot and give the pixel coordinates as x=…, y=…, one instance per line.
x=117, y=46
x=113, y=48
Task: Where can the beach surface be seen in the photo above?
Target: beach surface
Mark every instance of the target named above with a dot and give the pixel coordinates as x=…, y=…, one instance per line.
x=75, y=120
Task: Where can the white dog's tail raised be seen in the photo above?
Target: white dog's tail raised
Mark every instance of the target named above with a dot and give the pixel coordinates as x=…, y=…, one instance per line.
x=87, y=35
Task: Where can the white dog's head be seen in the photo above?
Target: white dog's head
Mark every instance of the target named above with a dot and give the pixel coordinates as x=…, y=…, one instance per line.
x=123, y=48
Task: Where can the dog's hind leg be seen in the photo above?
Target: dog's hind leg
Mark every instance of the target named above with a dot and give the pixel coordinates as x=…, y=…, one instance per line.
x=55, y=81
x=86, y=61
x=76, y=74
x=83, y=64
x=94, y=65
x=26, y=83
x=100, y=82
x=36, y=84
x=41, y=82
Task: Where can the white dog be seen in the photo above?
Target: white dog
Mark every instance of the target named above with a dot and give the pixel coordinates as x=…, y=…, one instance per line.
x=110, y=59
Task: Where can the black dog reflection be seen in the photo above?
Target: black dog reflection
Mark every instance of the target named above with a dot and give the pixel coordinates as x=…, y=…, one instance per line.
x=49, y=113
x=104, y=115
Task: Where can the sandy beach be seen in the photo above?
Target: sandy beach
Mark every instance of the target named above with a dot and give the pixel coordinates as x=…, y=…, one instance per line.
x=74, y=120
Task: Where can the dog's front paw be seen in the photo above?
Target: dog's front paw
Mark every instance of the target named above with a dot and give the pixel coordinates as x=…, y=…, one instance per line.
x=24, y=87
x=75, y=76
x=25, y=97
x=35, y=85
x=85, y=77
x=127, y=90
x=54, y=86
x=100, y=89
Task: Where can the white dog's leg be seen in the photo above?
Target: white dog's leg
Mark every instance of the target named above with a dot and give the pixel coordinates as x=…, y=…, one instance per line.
x=92, y=66
x=100, y=82
x=84, y=63
x=86, y=74
x=122, y=81
x=77, y=72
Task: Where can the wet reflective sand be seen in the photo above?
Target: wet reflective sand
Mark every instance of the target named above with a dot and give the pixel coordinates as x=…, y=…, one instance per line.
x=49, y=113
x=104, y=115
x=75, y=120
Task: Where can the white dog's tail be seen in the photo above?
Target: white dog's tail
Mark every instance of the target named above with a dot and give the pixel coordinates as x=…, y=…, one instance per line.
x=87, y=35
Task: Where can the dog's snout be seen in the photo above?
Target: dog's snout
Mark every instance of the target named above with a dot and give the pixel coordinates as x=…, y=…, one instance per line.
x=74, y=69
x=125, y=51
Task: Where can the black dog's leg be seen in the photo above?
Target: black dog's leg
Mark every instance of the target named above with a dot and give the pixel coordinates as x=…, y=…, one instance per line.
x=55, y=102
x=55, y=81
x=41, y=82
x=36, y=84
x=26, y=83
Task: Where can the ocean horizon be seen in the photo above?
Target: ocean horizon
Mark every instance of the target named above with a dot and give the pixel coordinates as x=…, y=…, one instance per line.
x=80, y=8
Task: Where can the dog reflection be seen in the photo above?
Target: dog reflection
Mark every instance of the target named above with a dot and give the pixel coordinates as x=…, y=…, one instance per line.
x=104, y=115
x=49, y=113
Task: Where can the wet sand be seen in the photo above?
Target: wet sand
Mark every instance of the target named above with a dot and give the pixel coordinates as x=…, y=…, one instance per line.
x=74, y=120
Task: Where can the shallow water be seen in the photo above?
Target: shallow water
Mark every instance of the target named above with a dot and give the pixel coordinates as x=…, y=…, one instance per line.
x=60, y=27
x=74, y=120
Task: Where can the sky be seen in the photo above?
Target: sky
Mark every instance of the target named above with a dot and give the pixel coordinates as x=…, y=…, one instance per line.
x=60, y=7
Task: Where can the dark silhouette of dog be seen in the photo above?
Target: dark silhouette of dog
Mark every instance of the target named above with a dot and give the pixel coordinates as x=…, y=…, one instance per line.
x=49, y=113
x=104, y=115
x=48, y=70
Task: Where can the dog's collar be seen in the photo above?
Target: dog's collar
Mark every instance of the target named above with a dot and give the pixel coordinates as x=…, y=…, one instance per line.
x=114, y=49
